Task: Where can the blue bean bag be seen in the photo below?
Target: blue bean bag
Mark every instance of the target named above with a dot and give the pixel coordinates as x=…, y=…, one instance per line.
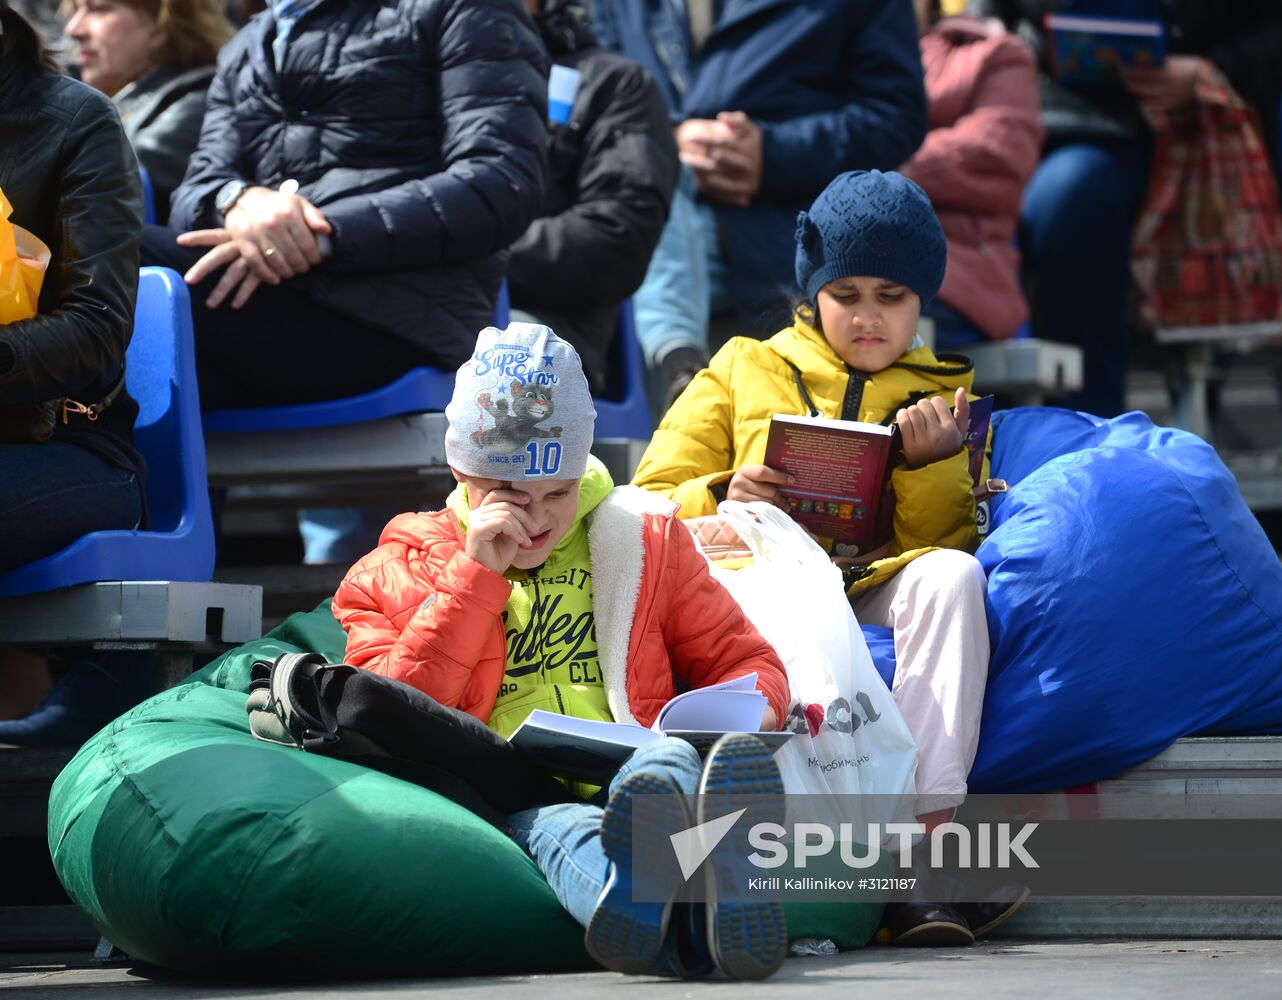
x=1133, y=599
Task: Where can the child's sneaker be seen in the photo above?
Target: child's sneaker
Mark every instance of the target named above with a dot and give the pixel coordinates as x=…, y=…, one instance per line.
x=747, y=931
x=625, y=935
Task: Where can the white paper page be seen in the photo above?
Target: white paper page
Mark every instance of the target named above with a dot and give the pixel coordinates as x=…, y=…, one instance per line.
x=594, y=729
x=732, y=706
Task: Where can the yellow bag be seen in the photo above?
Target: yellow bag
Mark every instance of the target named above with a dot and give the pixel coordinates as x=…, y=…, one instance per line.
x=23, y=260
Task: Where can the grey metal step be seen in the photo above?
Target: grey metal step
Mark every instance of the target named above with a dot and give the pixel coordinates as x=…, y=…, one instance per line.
x=1201, y=766
x=1147, y=917
x=1216, y=765
x=149, y=611
x=1026, y=369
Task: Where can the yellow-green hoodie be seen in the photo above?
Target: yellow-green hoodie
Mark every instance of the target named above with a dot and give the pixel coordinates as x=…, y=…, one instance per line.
x=549, y=624
x=722, y=419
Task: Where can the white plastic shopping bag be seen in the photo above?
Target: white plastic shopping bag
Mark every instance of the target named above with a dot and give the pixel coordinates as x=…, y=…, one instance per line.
x=851, y=738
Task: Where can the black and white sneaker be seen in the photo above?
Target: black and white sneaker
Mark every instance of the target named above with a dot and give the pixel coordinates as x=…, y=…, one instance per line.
x=747, y=930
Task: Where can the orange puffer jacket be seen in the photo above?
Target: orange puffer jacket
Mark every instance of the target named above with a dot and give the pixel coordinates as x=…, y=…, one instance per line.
x=419, y=609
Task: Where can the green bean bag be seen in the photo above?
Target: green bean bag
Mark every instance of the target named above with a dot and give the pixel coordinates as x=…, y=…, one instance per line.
x=194, y=847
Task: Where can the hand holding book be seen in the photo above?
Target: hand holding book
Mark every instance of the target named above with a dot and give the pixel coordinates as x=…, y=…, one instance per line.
x=758, y=482
x=834, y=476
x=1167, y=87
x=931, y=431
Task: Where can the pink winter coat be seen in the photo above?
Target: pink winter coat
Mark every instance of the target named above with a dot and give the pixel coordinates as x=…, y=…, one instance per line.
x=984, y=141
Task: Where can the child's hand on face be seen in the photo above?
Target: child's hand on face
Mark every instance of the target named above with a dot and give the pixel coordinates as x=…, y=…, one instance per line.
x=931, y=431
x=497, y=527
x=757, y=482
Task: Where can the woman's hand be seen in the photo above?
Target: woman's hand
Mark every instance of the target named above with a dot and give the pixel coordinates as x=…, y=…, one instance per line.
x=758, y=482
x=769, y=723
x=931, y=431
x=1167, y=87
x=267, y=236
x=497, y=527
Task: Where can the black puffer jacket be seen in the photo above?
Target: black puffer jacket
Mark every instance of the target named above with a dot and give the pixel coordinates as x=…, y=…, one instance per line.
x=67, y=169
x=415, y=126
x=611, y=173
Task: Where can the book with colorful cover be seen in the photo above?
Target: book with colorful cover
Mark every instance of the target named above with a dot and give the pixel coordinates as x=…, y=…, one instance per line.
x=1092, y=51
x=841, y=470
x=592, y=750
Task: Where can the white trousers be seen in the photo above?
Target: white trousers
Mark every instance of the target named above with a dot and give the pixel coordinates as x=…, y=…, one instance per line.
x=935, y=604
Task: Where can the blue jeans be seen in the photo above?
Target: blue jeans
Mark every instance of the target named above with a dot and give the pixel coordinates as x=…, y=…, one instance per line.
x=52, y=493
x=686, y=282
x=565, y=839
x=341, y=535
x=1075, y=234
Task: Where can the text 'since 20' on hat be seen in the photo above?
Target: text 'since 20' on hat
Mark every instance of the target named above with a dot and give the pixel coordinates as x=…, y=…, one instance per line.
x=873, y=224
x=521, y=408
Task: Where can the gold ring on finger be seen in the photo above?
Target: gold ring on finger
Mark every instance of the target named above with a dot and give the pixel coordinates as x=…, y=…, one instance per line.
x=269, y=251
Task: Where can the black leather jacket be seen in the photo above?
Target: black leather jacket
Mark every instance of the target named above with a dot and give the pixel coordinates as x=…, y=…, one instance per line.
x=162, y=111
x=67, y=169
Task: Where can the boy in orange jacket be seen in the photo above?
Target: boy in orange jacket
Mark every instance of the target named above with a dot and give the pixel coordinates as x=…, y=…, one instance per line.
x=542, y=586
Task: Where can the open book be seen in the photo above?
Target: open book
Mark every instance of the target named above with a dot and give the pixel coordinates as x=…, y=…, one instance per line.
x=592, y=750
x=1091, y=51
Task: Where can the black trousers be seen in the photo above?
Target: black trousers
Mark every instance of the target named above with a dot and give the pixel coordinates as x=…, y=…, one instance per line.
x=392, y=727
x=280, y=347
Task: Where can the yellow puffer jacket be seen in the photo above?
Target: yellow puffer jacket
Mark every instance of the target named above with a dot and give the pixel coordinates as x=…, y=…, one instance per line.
x=721, y=421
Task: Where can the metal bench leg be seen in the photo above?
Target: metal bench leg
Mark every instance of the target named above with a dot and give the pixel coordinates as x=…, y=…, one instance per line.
x=170, y=668
x=1192, y=412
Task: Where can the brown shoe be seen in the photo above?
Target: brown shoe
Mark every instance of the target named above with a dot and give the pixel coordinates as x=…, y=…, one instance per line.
x=926, y=925
x=983, y=917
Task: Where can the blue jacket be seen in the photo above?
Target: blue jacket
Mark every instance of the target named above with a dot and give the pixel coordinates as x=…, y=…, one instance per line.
x=416, y=126
x=834, y=85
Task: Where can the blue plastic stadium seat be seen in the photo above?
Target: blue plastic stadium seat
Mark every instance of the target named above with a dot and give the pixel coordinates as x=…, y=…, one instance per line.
x=422, y=390
x=628, y=416
x=148, y=196
x=428, y=390
x=161, y=376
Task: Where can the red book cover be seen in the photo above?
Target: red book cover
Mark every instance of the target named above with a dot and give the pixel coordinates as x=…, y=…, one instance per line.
x=841, y=489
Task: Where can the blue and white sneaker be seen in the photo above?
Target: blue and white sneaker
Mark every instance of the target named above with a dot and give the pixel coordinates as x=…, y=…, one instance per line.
x=625, y=935
x=747, y=931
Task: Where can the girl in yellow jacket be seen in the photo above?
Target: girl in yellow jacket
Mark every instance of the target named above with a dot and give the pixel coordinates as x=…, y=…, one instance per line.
x=870, y=254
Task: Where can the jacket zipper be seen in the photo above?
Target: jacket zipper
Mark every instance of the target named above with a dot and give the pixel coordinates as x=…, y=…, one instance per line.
x=854, y=394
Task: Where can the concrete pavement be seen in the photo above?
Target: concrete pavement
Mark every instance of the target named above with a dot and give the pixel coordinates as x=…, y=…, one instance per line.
x=992, y=970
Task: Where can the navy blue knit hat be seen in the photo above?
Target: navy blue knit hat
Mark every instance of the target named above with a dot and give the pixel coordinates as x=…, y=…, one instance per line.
x=871, y=223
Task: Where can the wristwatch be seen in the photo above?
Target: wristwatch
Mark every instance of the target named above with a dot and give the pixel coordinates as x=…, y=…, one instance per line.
x=227, y=196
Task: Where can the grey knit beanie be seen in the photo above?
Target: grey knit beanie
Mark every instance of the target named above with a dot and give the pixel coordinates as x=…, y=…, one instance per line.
x=521, y=408
x=871, y=223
